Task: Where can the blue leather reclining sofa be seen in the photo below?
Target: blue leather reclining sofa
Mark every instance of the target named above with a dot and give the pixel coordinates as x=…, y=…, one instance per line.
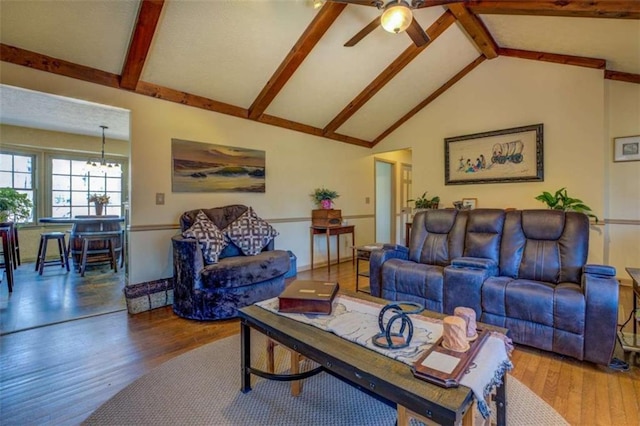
x=524, y=270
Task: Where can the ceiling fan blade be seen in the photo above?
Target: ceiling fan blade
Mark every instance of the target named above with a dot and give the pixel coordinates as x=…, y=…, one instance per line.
x=417, y=34
x=431, y=3
x=363, y=32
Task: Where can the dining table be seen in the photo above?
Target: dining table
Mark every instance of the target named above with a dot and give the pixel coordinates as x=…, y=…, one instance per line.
x=87, y=225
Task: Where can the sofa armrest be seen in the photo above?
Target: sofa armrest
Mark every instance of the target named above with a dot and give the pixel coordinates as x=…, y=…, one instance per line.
x=463, y=281
x=377, y=259
x=604, y=270
x=601, y=292
x=188, y=263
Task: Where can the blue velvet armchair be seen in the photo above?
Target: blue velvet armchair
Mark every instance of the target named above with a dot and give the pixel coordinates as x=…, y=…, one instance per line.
x=216, y=291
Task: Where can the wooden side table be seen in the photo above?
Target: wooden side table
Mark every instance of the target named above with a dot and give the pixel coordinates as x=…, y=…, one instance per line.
x=364, y=253
x=328, y=231
x=631, y=342
x=407, y=233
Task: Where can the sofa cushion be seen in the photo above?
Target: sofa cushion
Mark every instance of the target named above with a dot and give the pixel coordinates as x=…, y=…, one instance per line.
x=220, y=216
x=559, y=306
x=210, y=238
x=437, y=236
x=484, y=233
x=250, y=233
x=545, y=245
x=242, y=271
x=417, y=282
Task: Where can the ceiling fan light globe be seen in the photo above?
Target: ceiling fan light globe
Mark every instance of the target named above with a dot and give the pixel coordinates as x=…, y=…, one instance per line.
x=396, y=17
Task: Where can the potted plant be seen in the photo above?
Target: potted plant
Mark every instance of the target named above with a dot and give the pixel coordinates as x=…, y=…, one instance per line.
x=324, y=197
x=561, y=201
x=14, y=206
x=99, y=202
x=423, y=202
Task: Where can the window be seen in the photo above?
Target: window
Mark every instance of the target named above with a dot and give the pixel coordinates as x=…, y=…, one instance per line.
x=17, y=172
x=71, y=186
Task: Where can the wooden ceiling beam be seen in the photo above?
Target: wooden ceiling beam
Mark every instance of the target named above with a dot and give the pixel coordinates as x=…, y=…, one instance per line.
x=434, y=31
x=45, y=63
x=145, y=29
x=453, y=80
x=37, y=61
x=629, y=9
x=184, y=98
x=304, y=128
x=579, y=61
x=307, y=41
x=622, y=76
x=474, y=27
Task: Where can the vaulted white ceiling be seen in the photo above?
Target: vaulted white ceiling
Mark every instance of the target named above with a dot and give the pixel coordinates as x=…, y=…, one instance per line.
x=220, y=55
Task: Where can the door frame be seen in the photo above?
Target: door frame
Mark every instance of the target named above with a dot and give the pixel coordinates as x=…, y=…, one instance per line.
x=392, y=206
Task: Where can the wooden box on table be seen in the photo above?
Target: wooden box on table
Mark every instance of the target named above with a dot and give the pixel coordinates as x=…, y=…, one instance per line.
x=308, y=297
x=326, y=217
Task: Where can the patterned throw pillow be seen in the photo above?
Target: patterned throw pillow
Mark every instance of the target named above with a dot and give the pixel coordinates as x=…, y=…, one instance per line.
x=211, y=239
x=250, y=233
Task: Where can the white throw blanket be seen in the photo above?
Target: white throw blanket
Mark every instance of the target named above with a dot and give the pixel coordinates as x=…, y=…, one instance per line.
x=357, y=320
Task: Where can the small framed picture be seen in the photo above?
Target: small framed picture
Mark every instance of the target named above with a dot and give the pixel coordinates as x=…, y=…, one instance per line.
x=626, y=148
x=470, y=203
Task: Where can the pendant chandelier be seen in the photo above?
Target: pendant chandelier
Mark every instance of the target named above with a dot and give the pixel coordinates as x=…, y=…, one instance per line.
x=102, y=166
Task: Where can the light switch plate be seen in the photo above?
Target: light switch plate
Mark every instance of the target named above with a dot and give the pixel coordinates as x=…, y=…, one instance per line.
x=159, y=198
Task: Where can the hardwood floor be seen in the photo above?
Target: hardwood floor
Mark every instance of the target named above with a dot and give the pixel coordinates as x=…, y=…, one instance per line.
x=59, y=374
x=58, y=295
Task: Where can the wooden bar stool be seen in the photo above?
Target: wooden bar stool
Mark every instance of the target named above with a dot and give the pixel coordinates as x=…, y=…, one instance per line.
x=5, y=233
x=42, y=251
x=104, y=250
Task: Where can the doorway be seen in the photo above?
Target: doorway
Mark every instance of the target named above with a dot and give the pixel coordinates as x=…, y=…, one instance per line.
x=384, y=201
x=68, y=133
x=392, y=189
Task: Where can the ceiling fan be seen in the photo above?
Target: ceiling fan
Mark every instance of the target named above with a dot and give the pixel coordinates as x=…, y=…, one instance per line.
x=397, y=16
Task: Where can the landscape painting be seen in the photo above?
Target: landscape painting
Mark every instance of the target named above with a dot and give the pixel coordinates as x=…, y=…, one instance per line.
x=204, y=167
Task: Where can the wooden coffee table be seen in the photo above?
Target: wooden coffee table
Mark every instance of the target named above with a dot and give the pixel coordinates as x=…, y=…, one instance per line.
x=367, y=370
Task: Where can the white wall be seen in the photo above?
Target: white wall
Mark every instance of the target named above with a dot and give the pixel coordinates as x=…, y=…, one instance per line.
x=508, y=92
x=296, y=164
x=623, y=189
x=580, y=110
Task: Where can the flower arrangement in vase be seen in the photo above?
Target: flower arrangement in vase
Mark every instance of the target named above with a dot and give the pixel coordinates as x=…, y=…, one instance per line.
x=99, y=202
x=324, y=197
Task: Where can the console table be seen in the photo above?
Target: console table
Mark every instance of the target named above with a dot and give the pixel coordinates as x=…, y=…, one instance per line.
x=328, y=231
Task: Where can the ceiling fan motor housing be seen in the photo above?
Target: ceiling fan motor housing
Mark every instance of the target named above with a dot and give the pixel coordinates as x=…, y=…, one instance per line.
x=397, y=16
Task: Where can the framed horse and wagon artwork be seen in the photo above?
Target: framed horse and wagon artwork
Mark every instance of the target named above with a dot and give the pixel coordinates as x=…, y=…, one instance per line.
x=507, y=155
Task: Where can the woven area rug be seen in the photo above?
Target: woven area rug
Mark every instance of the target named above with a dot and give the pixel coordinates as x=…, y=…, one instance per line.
x=202, y=387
